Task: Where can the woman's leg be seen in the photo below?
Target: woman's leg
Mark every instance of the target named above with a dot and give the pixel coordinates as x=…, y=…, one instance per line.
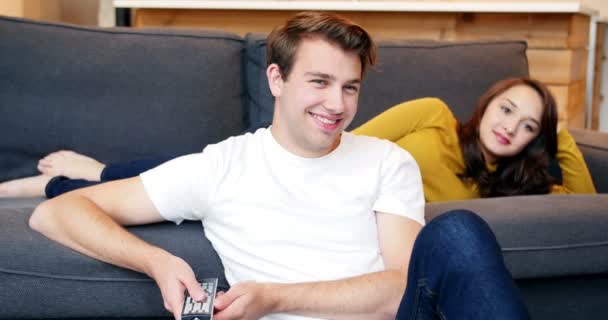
x=114, y=171
x=122, y=170
x=77, y=166
x=67, y=170
x=457, y=272
x=25, y=187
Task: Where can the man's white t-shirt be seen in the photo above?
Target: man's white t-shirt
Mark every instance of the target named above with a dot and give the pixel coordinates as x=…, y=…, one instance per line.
x=273, y=216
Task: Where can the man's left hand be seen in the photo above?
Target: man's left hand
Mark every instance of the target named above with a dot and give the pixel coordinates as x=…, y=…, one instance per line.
x=244, y=301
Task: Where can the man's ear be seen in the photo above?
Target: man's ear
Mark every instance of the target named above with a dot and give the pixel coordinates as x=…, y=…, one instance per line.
x=275, y=80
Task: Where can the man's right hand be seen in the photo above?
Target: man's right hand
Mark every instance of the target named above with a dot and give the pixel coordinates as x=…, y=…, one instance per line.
x=91, y=221
x=173, y=275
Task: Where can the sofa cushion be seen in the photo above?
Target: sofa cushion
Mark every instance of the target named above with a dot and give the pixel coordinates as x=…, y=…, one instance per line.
x=33, y=266
x=259, y=101
x=457, y=72
x=114, y=94
x=546, y=235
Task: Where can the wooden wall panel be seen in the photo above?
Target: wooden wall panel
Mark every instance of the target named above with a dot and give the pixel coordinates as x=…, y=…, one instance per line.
x=381, y=25
x=600, y=58
x=546, y=31
x=558, y=66
x=557, y=42
x=400, y=25
x=571, y=103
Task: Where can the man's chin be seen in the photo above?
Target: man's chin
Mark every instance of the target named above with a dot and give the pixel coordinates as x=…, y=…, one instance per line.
x=332, y=142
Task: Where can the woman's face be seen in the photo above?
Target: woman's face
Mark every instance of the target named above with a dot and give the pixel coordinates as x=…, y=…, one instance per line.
x=510, y=122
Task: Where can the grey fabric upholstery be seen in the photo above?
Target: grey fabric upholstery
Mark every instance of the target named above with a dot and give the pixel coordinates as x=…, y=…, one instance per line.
x=456, y=72
x=544, y=236
x=259, y=101
x=572, y=297
x=67, y=284
x=121, y=94
x=114, y=94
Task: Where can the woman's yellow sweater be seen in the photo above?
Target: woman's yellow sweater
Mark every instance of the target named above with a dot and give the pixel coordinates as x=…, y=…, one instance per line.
x=426, y=128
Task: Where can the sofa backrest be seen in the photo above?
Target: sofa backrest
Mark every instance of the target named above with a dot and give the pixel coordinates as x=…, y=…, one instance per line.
x=124, y=93
x=114, y=94
x=457, y=72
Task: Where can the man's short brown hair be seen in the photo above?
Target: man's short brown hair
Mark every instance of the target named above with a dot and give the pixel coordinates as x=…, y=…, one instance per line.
x=284, y=40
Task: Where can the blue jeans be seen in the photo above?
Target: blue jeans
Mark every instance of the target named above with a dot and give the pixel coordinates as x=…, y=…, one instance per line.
x=113, y=171
x=457, y=272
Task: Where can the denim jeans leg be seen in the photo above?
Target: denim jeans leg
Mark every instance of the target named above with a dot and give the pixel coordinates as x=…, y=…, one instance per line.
x=457, y=272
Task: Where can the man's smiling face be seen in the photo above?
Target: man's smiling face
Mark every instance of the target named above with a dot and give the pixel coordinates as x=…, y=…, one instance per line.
x=318, y=100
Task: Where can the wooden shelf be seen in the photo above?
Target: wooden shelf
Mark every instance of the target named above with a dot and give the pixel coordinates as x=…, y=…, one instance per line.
x=363, y=5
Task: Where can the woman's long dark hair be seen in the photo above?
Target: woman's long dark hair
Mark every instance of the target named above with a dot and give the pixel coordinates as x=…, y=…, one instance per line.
x=523, y=173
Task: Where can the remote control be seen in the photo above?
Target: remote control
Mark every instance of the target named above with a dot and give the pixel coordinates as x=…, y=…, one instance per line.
x=200, y=310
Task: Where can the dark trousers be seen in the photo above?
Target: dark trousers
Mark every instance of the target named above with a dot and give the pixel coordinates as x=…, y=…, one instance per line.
x=457, y=272
x=113, y=171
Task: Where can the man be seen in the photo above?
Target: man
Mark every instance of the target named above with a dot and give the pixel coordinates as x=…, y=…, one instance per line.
x=309, y=221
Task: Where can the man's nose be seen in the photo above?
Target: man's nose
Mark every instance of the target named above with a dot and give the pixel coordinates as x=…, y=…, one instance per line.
x=335, y=101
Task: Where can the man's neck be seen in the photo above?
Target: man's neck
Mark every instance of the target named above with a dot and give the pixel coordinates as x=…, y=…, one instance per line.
x=298, y=151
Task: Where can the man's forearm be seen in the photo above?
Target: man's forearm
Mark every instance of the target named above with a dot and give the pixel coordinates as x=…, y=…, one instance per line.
x=78, y=223
x=371, y=296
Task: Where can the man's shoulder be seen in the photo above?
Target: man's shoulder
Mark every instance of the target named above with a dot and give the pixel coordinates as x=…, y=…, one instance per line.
x=375, y=150
x=364, y=141
x=241, y=140
x=369, y=143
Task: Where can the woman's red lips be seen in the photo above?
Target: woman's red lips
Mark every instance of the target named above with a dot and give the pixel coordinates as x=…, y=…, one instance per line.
x=502, y=139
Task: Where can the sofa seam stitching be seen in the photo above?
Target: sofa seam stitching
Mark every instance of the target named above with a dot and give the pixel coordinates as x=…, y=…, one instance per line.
x=556, y=247
x=60, y=277
x=122, y=31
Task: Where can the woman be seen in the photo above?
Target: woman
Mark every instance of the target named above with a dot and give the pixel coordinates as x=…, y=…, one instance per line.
x=503, y=150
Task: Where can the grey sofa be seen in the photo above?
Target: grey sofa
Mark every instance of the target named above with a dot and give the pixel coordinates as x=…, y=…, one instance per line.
x=118, y=94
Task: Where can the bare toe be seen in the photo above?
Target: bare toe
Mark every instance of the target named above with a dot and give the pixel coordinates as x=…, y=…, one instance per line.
x=44, y=168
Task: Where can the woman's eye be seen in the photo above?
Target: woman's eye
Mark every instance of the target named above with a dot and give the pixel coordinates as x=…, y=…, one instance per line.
x=529, y=128
x=505, y=109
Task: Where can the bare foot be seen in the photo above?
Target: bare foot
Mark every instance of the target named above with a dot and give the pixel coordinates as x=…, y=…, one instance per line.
x=72, y=165
x=24, y=187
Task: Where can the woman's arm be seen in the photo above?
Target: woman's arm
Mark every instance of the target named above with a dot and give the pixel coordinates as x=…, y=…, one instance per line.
x=405, y=118
x=575, y=175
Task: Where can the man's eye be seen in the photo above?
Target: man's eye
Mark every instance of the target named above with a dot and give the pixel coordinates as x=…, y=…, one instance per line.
x=351, y=89
x=319, y=81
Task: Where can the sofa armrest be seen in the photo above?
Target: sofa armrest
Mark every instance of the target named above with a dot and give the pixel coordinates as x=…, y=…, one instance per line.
x=33, y=268
x=544, y=235
x=594, y=146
